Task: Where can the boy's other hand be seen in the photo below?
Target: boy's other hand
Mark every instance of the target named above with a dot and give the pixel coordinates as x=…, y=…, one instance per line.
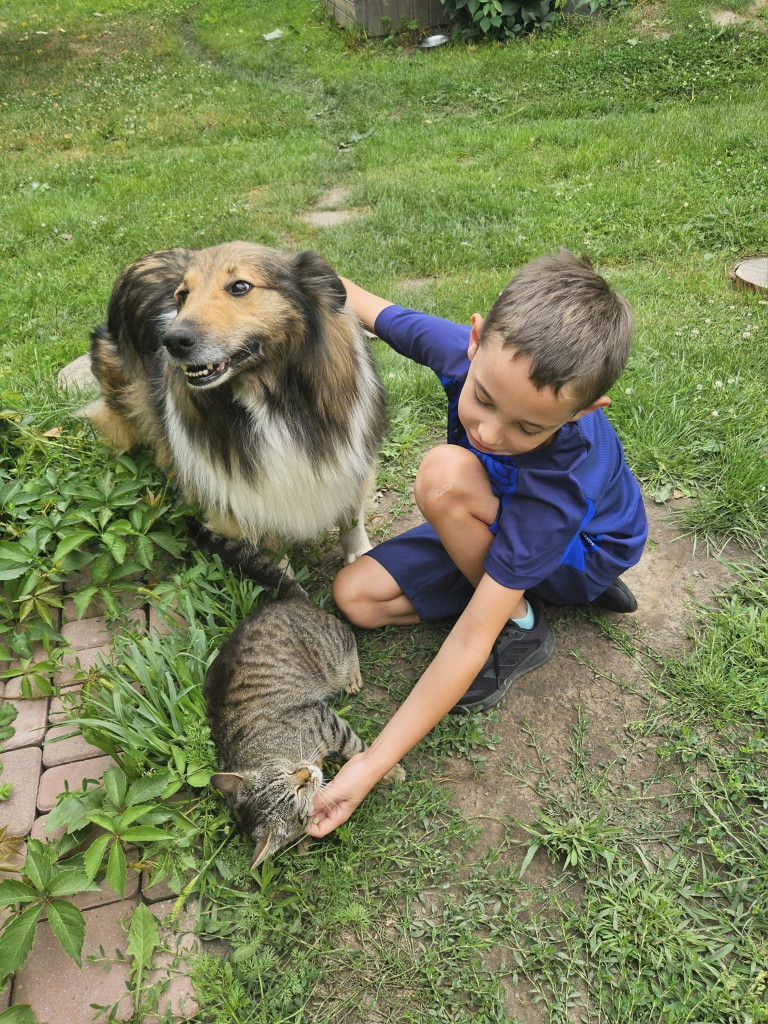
x=335, y=802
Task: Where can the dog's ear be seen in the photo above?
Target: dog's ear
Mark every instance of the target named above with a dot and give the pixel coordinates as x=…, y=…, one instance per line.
x=319, y=280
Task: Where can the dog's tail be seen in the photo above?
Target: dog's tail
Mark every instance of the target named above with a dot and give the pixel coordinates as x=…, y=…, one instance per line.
x=250, y=560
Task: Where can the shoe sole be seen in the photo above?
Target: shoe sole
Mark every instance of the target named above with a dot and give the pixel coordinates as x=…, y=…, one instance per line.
x=535, y=660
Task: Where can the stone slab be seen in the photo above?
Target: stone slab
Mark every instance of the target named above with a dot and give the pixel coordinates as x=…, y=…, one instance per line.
x=78, y=374
x=163, y=622
x=13, y=689
x=106, y=896
x=85, y=634
x=179, y=996
x=63, y=751
x=55, y=987
x=22, y=769
x=29, y=724
x=69, y=612
x=80, y=661
x=53, y=780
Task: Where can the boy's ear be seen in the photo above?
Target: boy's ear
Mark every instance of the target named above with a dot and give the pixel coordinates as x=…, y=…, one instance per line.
x=599, y=403
x=474, y=335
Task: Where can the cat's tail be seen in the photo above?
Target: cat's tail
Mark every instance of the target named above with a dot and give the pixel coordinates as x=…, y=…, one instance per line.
x=250, y=560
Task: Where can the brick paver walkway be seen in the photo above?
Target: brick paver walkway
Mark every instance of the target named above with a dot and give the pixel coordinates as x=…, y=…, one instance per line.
x=57, y=990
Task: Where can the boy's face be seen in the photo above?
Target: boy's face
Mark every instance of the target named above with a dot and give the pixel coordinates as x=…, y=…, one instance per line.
x=500, y=408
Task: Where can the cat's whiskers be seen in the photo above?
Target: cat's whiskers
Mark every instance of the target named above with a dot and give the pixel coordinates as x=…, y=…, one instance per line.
x=327, y=800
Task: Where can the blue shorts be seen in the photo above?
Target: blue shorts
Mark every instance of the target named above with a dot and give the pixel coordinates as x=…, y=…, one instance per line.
x=436, y=588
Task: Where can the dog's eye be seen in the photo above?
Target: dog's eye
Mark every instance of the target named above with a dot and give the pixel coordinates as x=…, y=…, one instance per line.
x=239, y=288
x=181, y=296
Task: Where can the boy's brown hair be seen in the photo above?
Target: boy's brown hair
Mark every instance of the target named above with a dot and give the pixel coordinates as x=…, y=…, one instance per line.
x=565, y=317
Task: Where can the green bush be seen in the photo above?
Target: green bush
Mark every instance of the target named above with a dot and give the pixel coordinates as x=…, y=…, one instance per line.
x=500, y=19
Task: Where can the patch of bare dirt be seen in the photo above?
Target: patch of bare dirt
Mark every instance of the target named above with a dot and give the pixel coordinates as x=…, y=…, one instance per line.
x=335, y=197
x=756, y=11
x=329, y=218
x=722, y=18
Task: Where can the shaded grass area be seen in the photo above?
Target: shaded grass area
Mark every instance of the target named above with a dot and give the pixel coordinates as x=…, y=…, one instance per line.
x=163, y=124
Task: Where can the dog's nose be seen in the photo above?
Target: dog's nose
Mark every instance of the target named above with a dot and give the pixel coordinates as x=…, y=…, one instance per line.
x=180, y=342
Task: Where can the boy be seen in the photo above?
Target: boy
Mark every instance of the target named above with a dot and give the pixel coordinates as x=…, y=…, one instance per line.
x=529, y=500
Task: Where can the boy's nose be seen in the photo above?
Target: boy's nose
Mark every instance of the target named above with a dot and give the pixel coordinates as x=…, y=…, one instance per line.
x=488, y=436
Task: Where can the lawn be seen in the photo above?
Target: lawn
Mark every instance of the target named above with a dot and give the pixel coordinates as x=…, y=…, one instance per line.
x=615, y=889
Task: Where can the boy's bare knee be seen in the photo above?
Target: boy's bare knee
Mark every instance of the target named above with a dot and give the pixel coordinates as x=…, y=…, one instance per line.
x=352, y=597
x=441, y=481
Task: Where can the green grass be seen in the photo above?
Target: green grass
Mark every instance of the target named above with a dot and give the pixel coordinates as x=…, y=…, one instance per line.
x=636, y=139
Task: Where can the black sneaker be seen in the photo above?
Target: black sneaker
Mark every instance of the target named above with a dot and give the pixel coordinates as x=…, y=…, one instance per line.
x=515, y=652
x=616, y=598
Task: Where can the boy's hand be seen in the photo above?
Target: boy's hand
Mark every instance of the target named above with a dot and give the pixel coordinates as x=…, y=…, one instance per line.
x=335, y=802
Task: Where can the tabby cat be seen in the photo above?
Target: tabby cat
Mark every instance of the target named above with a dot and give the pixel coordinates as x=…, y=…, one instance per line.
x=265, y=693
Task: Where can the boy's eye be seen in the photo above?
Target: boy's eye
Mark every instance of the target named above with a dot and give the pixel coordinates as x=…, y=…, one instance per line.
x=530, y=433
x=479, y=401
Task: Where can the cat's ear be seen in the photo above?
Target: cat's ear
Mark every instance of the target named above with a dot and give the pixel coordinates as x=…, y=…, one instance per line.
x=262, y=850
x=227, y=783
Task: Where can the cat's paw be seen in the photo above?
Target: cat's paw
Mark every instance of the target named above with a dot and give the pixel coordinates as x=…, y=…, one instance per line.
x=396, y=774
x=355, y=683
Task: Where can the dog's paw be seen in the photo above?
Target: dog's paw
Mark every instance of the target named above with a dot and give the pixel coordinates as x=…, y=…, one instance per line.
x=355, y=683
x=396, y=774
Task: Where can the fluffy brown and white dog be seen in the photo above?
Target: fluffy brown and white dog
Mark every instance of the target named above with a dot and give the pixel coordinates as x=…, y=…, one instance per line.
x=246, y=372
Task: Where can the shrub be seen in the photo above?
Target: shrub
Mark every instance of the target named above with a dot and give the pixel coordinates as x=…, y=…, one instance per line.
x=500, y=19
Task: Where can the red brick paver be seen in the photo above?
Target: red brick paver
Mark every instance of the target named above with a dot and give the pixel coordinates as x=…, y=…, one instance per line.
x=53, y=984
x=86, y=633
x=74, y=747
x=22, y=769
x=29, y=724
x=75, y=661
x=52, y=782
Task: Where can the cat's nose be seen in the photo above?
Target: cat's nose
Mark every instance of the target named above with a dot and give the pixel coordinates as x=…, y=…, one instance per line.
x=303, y=775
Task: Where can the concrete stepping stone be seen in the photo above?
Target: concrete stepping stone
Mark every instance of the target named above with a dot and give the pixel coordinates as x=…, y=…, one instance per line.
x=55, y=987
x=53, y=780
x=22, y=769
x=29, y=723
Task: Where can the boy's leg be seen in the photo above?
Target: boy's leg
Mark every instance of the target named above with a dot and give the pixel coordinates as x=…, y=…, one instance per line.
x=454, y=494
x=369, y=596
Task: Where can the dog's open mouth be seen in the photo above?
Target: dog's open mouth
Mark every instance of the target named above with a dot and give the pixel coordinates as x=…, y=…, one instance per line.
x=211, y=373
x=197, y=375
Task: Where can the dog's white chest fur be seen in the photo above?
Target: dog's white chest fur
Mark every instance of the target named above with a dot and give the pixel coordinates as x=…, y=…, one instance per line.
x=289, y=495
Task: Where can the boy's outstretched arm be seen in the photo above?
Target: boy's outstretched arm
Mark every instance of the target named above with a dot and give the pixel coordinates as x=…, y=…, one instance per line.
x=449, y=675
x=365, y=304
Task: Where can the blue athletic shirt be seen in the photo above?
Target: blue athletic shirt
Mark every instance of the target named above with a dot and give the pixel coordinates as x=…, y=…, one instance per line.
x=574, y=503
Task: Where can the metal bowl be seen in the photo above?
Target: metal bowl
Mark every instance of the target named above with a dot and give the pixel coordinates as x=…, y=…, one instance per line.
x=430, y=42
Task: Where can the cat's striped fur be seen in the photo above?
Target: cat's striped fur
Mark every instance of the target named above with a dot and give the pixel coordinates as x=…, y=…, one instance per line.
x=265, y=693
